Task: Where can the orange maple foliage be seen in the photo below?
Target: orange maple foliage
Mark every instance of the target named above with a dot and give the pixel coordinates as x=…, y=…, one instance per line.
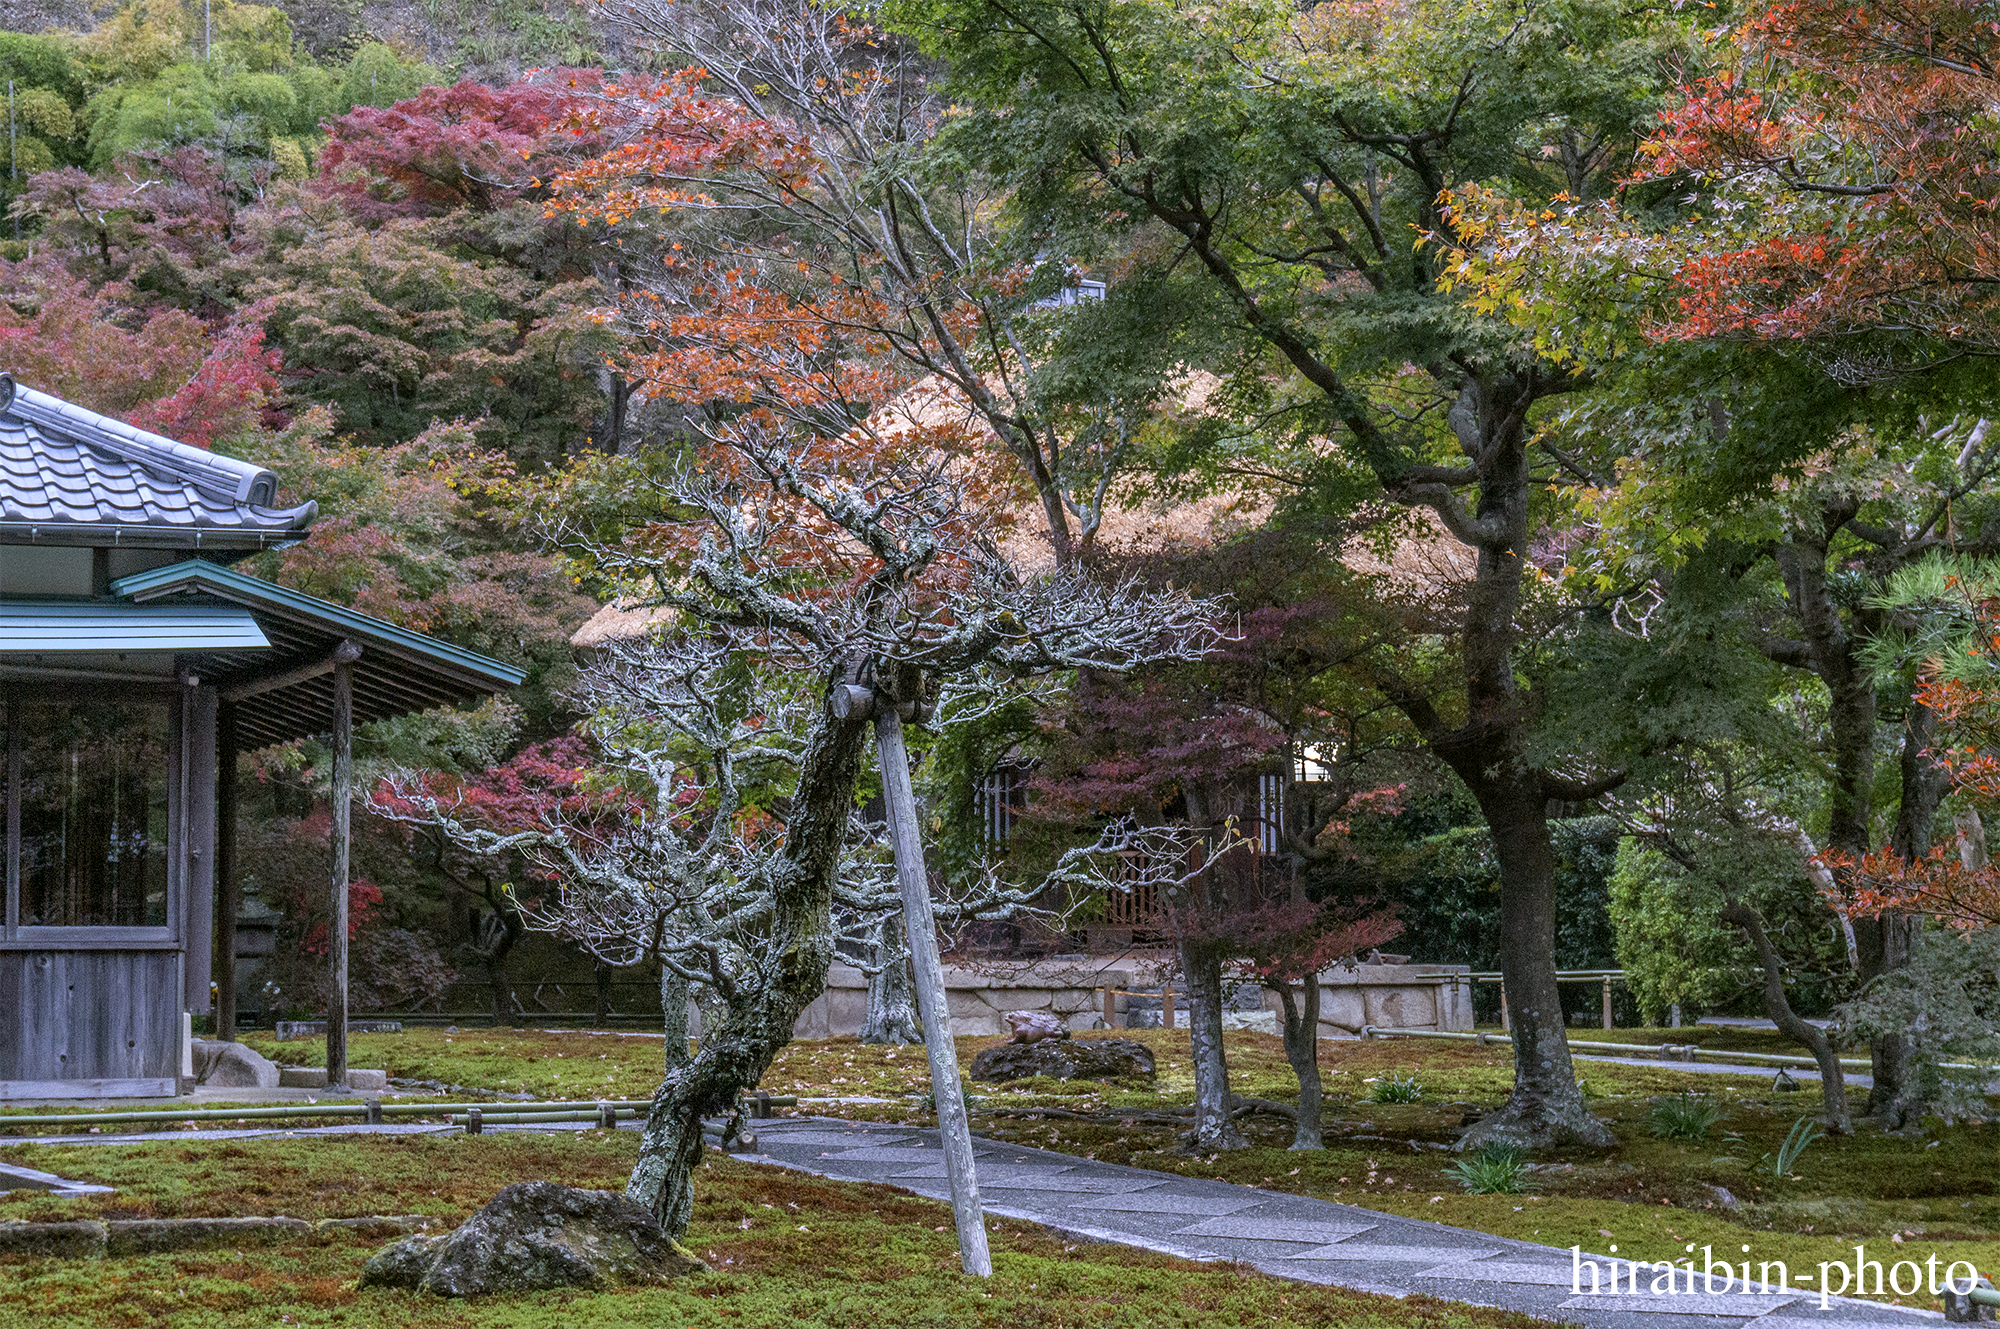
x=1941, y=883
x=1865, y=132
x=774, y=346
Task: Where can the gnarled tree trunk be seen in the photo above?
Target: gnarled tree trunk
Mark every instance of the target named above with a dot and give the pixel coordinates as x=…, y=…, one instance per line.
x=892, y=1012
x=1833, y=1084
x=756, y=1018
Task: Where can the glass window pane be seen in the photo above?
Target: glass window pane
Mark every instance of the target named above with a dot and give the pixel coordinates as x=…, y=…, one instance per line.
x=93, y=815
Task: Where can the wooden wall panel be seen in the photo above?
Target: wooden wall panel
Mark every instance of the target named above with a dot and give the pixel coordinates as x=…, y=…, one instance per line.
x=90, y=1015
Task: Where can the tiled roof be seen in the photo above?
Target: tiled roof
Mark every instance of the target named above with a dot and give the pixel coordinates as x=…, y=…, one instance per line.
x=72, y=477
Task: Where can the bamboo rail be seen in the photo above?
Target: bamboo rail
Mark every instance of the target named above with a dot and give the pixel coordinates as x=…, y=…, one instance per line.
x=1685, y=1052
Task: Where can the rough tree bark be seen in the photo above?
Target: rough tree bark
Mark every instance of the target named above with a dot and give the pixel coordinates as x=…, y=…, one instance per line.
x=1897, y=1099
x=1301, y=1030
x=754, y=1026
x=892, y=1013
x=1201, y=968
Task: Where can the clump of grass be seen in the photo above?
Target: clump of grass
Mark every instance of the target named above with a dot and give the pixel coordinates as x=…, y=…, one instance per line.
x=1804, y=1131
x=1398, y=1089
x=1496, y=1169
x=1683, y=1117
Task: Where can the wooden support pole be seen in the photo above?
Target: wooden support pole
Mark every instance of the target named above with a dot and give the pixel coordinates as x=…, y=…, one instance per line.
x=1505, y=1027
x=1110, y=1008
x=343, y=796
x=228, y=888
x=928, y=971
x=1607, y=1001
x=1166, y=1005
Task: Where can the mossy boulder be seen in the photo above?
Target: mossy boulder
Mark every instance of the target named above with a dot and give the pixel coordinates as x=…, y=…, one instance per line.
x=535, y=1236
x=1068, y=1059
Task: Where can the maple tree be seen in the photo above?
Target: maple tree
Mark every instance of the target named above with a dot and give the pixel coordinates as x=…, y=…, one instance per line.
x=1280, y=206
x=1858, y=132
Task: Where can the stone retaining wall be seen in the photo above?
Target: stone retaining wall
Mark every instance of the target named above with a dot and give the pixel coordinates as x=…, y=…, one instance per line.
x=1395, y=996
x=1407, y=996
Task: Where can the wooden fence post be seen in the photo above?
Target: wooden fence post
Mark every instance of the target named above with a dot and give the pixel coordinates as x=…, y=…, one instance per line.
x=1607, y=1001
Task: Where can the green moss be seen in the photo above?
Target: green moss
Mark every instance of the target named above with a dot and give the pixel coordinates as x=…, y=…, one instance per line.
x=786, y=1250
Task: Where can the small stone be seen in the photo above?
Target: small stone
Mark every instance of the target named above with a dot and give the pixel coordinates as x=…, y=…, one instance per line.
x=1035, y=1026
x=232, y=1066
x=1071, y=1059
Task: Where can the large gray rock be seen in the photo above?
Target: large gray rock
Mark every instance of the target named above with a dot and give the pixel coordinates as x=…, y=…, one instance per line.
x=222, y=1065
x=1069, y=1059
x=534, y=1236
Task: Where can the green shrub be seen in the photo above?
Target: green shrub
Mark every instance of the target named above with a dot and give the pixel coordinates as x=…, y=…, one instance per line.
x=1398, y=1089
x=1496, y=1169
x=1684, y=1117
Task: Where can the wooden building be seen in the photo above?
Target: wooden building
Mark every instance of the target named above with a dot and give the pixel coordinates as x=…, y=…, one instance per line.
x=135, y=664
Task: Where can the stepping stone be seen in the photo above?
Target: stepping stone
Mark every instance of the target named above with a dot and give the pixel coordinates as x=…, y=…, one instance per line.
x=852, y=1139
x=1275, y=1229
x=1737, y=1307
x=1154, y=1202
x=1380, y=1254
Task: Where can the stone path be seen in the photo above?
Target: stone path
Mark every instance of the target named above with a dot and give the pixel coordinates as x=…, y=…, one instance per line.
x=1309, y=1240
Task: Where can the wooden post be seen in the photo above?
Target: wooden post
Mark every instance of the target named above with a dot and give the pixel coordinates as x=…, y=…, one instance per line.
x=1505, y=1026
x=1607, y=1001
x=928, y=971
x=343, y=794
x=1110, y=1008
x=229, y=891
x=1166, y=1005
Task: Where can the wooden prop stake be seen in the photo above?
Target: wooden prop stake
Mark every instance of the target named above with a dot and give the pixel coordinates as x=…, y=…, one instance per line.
x=928, y=971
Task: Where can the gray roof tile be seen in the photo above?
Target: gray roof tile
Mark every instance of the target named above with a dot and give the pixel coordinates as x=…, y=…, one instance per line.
x=76, y=474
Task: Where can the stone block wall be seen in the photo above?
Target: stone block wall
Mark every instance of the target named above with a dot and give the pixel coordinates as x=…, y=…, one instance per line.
x=979, y=1000
x=1392, y=996
x=1408, y=996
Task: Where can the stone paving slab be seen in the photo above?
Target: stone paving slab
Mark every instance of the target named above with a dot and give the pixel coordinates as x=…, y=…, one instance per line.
x=1350, y=1252
x=1155, y=1201
x=1717, y=1307
x=1268, y=1229
x=1344, y=1245
x=847, y=1138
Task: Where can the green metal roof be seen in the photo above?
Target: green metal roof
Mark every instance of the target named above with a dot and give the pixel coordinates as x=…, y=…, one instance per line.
x=52, y=627
x=278, y=694
x=200, y=576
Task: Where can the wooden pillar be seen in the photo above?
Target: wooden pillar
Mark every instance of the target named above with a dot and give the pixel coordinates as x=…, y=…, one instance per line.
x=1607, y=1001
x=343, y=795
x=228, y=889
x=1110, y=1008
x=928, y=971
x=1167, y=1006
x=197, y=827
x=1505, y=1025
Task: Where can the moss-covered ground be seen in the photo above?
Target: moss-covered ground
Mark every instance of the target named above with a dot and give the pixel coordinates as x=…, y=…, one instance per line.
x=785, y=1250
x=1938, y=1192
